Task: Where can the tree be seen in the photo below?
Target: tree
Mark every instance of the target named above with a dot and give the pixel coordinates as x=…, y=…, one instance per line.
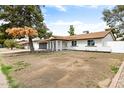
x=21, y=16
x=21, y=32
x=3, y=35
x=71, y=30
x=1, y=38
x=115, y=20
x=10, y=43
x=43, y=33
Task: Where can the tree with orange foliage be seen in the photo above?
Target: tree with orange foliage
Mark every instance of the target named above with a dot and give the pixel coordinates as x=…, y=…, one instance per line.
x=21, y=16
x=22, y=32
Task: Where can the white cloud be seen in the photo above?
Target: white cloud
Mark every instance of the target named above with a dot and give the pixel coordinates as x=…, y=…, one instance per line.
x=60, y=22
x=60, y=7
x=89, y=6
x=61, y=27
x=97, y=6
x=110, y=6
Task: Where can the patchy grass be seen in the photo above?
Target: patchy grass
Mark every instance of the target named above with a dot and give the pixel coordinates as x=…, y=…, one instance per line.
x=20, y=65
x=63, y=69
x=114, y=69
x=93, y=57
x=6, y=69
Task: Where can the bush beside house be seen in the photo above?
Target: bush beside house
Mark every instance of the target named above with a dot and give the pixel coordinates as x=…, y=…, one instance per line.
x=10, y=43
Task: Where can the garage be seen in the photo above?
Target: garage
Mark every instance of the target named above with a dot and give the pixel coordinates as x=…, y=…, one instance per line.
x=43, y=44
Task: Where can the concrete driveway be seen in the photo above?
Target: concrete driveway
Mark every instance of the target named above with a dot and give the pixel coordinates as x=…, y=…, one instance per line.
x=5, y=50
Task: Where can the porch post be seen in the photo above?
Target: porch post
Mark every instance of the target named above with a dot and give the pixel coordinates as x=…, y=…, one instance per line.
x=56, y=45
x=52, y=45
x=60, y=45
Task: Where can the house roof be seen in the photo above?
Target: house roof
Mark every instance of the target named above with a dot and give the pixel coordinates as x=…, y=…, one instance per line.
x=43, y=41
x=95, y=35
x=23, y=42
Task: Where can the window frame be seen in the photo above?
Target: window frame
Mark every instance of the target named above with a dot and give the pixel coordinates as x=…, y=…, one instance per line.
x=74, y=43
x=91, y=42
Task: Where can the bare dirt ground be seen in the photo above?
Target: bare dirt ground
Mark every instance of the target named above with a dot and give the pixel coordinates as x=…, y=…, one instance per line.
x=63, y=69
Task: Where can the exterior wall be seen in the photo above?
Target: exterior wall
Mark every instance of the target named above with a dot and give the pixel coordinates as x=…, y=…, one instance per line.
x=59, y=45
x=26, y=46
x=106, y=39
x=64, y=44
x=106, y=44
x=100, y=45
x=116, y=46
x=82, y=45
x=36, y=45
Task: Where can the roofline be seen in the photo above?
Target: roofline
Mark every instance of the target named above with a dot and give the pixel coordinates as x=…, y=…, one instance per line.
x=70, y=39
x=76, y=39
x=114, y=38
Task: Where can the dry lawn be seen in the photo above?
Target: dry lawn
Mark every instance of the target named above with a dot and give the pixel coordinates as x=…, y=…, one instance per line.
x=63, y=69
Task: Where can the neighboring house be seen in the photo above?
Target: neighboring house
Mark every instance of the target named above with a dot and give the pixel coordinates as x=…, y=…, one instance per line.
x=96, y=41
x=24, y=43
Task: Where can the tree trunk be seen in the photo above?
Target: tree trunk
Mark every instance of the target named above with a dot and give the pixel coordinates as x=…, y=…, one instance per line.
x=31, y=44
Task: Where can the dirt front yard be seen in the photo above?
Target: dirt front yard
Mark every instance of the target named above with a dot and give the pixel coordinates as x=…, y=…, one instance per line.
x=62, y=69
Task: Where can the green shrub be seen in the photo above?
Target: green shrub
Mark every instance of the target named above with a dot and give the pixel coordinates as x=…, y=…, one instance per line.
x=19, y=46
x=114, y=69
x=2, y=42
x=10, y=43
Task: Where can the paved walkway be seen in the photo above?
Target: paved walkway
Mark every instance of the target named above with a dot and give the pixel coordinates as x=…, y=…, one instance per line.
x=118, y=80
x=3, y=81
x=120, y=83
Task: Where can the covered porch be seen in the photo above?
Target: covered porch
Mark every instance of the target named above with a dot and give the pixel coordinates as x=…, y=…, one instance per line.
x=56, y=45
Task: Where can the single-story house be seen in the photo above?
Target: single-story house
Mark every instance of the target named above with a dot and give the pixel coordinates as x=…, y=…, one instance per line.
x=97, y=41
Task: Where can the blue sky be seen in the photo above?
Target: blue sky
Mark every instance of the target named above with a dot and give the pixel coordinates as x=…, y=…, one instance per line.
x=58, y=18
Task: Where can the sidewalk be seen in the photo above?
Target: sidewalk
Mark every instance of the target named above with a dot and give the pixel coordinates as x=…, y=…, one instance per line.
x=3, y=81
x=118, y=80
x=120, y=83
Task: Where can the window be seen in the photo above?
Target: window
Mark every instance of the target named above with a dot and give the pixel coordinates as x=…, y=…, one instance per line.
x=90, y=42
x=74, y=43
